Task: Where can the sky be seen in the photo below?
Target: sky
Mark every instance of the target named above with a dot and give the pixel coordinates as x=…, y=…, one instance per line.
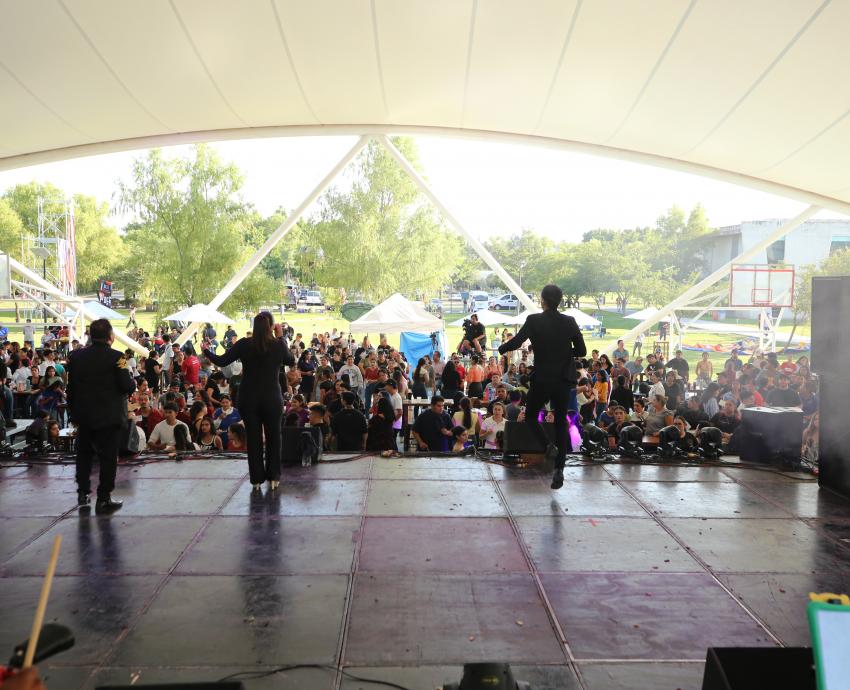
x=492, y=188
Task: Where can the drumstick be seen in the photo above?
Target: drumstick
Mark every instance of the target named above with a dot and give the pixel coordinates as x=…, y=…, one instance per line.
x=42, y=602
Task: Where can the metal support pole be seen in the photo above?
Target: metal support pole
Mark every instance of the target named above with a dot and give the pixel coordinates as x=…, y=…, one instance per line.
x=688, y=295
x=277, y=235
x=479, y=248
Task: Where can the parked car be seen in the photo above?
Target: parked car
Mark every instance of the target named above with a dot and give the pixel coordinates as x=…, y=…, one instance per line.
x=435, y=306
x=479, y=300
x=313, y=298
x=508, y=301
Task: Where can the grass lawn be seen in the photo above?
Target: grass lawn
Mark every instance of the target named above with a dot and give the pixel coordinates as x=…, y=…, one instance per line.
x=307, y=324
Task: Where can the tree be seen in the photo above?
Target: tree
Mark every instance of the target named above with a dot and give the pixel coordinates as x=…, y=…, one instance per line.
x=837, y=264
x=521, y=255
x=11, y=230
x=382, y=236
x=191, y=230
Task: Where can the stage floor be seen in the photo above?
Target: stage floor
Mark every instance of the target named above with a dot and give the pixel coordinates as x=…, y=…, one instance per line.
x=402, y=569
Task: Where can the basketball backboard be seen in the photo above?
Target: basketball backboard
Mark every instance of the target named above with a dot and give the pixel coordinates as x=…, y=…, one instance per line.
x=761, y=285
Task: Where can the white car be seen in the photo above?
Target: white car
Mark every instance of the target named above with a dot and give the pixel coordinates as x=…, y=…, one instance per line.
x=479, y=302
x=313, y=298
x=508, y=301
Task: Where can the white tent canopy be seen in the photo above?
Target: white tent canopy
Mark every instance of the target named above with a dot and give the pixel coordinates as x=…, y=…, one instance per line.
x=645, y=314
x=485, y=317
x=396, y=314
x=752, y=92
x=95, y=310
x=199, y=313
x=582, y=319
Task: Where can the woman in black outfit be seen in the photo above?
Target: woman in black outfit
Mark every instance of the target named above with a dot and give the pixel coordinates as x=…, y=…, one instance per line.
x=307, y=367
x=260, y=399
x=450, y=387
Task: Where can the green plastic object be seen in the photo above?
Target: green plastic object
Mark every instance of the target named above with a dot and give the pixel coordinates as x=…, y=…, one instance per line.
x=351, y=311
x=829, y=624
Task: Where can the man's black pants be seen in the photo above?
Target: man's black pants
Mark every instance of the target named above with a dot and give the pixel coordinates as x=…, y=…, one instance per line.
x=104, y=444
x=558, y=393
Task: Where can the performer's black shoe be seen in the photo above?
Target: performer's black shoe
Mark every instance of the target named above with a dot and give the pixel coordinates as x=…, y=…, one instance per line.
x=83, y=501
x=551, y=452
x=557, y=479
x=107, y=506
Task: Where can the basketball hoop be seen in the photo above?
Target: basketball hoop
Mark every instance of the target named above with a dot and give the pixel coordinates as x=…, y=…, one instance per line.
x=761, y=286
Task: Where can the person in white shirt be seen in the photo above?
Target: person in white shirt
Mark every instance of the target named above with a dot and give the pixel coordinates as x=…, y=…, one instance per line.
x=21, y=378
x=162, y=435
x=29, y=332
x=395, y=400
x=355, y=376
x=47, y=338
x=657, y=387
x=491, y=426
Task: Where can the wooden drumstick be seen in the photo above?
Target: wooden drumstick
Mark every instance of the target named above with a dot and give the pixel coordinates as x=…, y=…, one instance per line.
x=42, y=602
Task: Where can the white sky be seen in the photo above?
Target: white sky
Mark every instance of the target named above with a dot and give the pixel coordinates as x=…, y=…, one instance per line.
x=492, y=188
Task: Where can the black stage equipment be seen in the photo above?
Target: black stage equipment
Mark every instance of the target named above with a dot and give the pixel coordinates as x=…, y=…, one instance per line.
x=594, y=441
x=749, y=668
x=211, y=685
x=487, y=676
x=669, y=442
x=710, y=442
x=629, y=442
x=520, y=439
x=293, y=445
x=830, y=339
x=770, y=435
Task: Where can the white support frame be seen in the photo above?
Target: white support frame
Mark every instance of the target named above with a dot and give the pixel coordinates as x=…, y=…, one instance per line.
x=693, y=292
x=293, y=218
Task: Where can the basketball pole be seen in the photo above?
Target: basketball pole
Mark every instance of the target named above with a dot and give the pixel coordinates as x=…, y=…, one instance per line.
x=692, y=292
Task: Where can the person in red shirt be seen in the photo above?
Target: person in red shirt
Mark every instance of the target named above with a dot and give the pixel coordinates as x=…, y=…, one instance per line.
x=459, y=368
x=149, y=417
x=748, y=384
x=191, y=365
x=788, y=367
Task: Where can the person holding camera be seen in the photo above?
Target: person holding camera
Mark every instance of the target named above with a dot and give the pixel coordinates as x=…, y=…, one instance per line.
x=556, y=341
x=474, y=336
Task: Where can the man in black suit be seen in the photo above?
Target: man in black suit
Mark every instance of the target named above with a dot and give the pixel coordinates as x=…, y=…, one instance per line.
x=556, y=341
x=99, y=384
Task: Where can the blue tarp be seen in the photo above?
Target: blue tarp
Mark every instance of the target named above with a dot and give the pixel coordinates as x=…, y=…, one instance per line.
x=416, y=345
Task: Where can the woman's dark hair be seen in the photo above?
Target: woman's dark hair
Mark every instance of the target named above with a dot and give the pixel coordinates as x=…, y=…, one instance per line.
x=197, y=406
x=209, y=419
x=189, y=349
x=457, y=431
x=419, y=366
x=237, y=430
x=99, y=330
x=385, y=409
x=263, y=335
x=181, y=438
x=709, y=392
x=621, y=381
x=466, y=407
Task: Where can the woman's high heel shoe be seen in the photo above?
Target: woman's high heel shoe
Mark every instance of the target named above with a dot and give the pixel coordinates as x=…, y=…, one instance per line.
x=273, y=484
x=257, y=487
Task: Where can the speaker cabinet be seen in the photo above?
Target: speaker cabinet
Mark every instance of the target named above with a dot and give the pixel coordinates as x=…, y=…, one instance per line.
x=831, y=342
x=771, y=435
x=519, y=439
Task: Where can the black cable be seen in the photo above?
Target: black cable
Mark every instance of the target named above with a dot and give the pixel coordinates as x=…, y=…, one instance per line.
x=254, y=675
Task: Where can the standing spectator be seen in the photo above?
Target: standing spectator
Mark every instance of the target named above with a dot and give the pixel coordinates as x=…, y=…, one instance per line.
x=349, y=426
x=638, y=344
x=307, y=367
x=620, y=351
x=680, y=365
x=782, y=395
x=704, y=370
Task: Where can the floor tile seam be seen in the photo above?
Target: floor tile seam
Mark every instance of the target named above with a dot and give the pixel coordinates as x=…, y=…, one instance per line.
x=55, y=520
x=768, y=499
x=844, y=545
x=157, y=590
x=648, y=662
x=692, y=553
x=349, y=593
x=541, y=591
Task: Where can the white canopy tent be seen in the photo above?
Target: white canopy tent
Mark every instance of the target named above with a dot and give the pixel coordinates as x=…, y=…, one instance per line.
x=397, y=314
x=486, y=317
x=750, y=93
x=94, y=310
x=583, y=320
x=199, y=312
x=646, y=313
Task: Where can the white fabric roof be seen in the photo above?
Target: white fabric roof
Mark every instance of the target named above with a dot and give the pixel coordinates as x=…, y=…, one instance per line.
x=94, y=310
x=644, y=314
x=486, y=317
x=395, y=315
x=755, y=88
x=199, y=313
x=583, y=320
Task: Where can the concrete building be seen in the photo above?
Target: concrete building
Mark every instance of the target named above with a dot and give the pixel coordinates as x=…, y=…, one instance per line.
x=811, y=243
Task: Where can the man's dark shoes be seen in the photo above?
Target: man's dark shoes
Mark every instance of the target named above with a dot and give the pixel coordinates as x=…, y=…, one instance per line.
x=557, y=479
x=551, y=452
x=107, y=506
x=83, y=501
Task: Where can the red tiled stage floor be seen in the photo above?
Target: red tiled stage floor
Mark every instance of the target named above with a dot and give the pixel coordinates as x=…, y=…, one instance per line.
x=402, y=569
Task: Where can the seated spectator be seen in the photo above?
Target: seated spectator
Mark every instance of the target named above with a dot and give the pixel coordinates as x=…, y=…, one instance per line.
x=606, y=419
x=349, y=426
x=687, y=441
x=674, y=391
x=317, y=419
x=808, y=398
x=207, y=439
x=147, y=417
x=501, y=398
x=236, y=437
x=224, y=417
x=380, y=434
x=433, y=427
x=680, y=365
x=586, y=401
x=640, y=415
x=622, y=394
x=710, y=405
x=782, y=395
x=512, y=411
x=182, y=441
x=693, y=413
x=656, y=385
x=162, y=436
x=728, y=419
x=635, y=366
x=491, y=427
x=619, y=420
x=658, y=416
x=460, y=437
x=466, y=418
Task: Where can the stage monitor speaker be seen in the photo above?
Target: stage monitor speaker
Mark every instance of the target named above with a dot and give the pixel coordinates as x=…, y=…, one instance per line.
x=770, y=435
x=749, y=668
x=210, y=685
x=830, y=341
x=291, y=444
x=520, y=439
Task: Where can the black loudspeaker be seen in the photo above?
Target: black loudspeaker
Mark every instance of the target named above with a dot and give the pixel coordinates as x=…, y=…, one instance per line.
x=830, y=340
x=759, y=668
x=519, y=439
x=291, y=443
x=226, y=685
x=770, y=435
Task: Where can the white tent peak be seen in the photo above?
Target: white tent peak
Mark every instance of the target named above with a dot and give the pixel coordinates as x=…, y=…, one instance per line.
x=397, y=314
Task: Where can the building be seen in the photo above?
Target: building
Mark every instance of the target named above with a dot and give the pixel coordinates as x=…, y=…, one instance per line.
x=811, y=243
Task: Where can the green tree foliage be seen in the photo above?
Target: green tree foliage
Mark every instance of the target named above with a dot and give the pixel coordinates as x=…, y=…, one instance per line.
x=192, y=230
x=11, y=230
x=381, y=236
x=521, y=256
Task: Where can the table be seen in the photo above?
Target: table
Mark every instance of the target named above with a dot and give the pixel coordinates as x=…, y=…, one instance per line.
x=408, y=410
